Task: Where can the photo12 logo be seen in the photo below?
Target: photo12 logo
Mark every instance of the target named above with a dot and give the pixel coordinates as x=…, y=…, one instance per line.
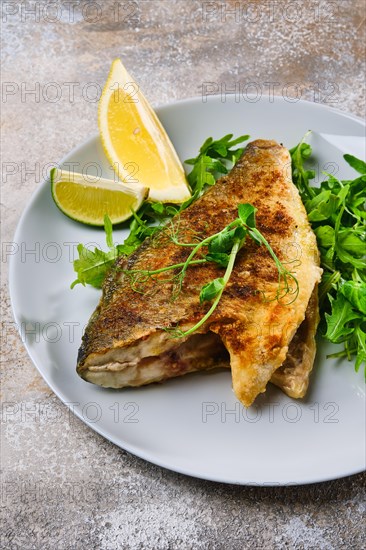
x=271, y=11
x=14, y=491
x=252, y=92
x=22, y=173
x=73, y=11
x=290, y=412
x=70, y=92
x=54, y=412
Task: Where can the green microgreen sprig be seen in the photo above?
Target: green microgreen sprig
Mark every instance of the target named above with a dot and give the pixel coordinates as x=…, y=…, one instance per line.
x=222, y=249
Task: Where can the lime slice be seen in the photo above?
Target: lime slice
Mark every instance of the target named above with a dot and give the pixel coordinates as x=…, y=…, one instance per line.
x=87, y=199
x=135, y=142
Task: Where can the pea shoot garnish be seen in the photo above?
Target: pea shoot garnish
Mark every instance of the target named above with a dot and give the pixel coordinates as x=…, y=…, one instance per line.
x=222, y=249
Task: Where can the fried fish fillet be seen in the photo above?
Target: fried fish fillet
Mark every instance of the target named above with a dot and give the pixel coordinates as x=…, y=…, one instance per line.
x=294, y=374
x=126, y=342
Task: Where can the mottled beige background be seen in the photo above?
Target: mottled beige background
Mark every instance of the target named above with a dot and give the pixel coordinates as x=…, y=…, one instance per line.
x=64, y=486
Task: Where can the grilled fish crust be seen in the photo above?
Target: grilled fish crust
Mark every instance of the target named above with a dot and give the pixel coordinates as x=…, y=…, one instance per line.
x=256, y=332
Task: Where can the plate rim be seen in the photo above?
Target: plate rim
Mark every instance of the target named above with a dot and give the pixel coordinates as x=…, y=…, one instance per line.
x=276, y=99
x=137, y=451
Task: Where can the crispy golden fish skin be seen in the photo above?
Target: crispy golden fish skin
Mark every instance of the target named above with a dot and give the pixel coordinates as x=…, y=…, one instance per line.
x=294, y=374
x=126, y=342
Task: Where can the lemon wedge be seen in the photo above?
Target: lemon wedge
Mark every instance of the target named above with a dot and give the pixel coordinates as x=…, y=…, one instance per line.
x=135, y=142
x=88, y=199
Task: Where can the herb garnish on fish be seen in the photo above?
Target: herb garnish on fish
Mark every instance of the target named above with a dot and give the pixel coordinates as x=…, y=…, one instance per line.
x=222, y=248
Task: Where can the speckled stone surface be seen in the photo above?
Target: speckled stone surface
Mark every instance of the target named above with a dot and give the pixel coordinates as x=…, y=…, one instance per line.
x=63, y=486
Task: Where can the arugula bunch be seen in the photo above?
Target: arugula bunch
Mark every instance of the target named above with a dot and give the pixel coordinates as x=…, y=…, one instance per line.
x=336, y=211
x=214, y=159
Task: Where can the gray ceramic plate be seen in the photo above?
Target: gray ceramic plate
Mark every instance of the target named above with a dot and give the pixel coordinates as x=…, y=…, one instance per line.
x=193, y=424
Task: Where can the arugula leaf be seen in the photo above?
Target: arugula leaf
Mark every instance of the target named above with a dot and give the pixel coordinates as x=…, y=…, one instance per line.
x=141, y=225
x=355, y=292
x=342, y=313
x=158, y=207
x=358, y=164
x=351, y=240
x=322, y=207
x=325, y=236
x=214, y=159
x=360, y=337
x=92, y=266
x=298, y=155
